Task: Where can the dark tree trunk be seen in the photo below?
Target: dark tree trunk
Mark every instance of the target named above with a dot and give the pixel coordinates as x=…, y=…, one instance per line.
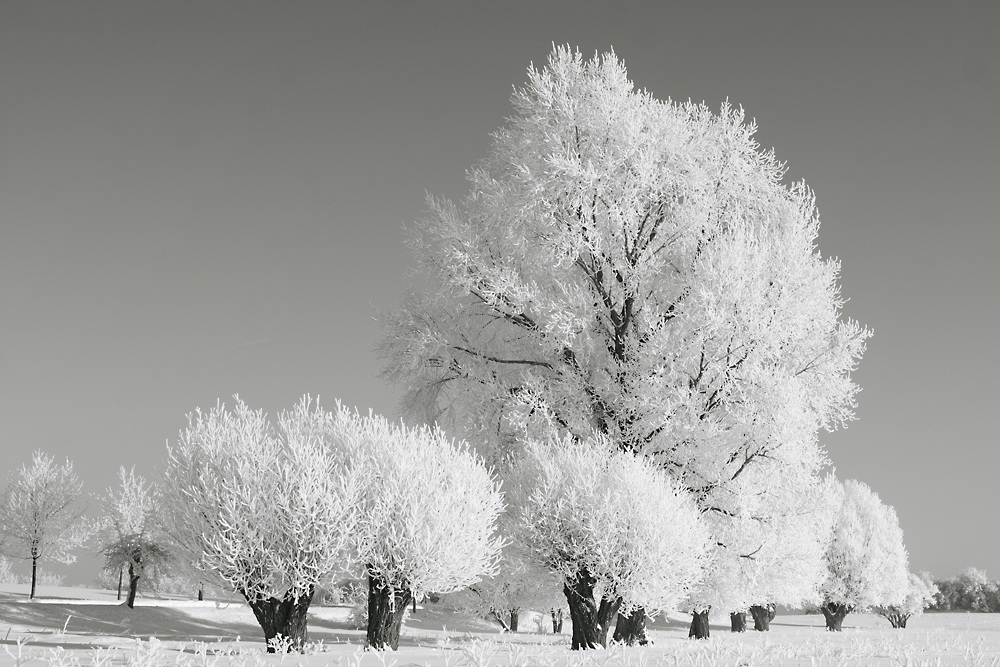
x=201, y=592
x=590, y=622
x=699, y=625
x=606, y=613
x=34, y=575
x=835, y=614
x=285, y=618
x=386, y=606
x=120, y=571
x=414, y=608
x=761, y=618
x=631, y=629
x=772, y=611
x=133, y=586
x=738, y=619
x=557, y=619
x=514, y=613
x=897, y=619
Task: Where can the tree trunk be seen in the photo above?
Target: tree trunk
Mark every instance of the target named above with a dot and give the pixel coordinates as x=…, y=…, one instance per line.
x=590, y=622
x=34, y=574
x=835, y=613
x=282, y=619
x=772, y=611
x=631, y=629
x=607, y=612
x=514, y=613
x=201, y=592
x=738, y=619
x=897, y=619
x=500, y=619
x=133, y=586
x=557, y=620
x=120, y=571
x=761, y=618
x=386, y=606
x=699, y=625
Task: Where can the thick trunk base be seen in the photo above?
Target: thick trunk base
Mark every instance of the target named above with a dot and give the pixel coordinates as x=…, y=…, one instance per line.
x=631, y=629
x=834, y=614
x=282, y=620
x=762, y=616
x=897, y=620
x=590, y=621
x=514, y=614
x=738, y=620
x=699, y=625
x=386, y=606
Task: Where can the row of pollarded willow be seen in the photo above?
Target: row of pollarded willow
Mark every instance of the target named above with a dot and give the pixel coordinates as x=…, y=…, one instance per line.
x=276, y=511
x=637, y=269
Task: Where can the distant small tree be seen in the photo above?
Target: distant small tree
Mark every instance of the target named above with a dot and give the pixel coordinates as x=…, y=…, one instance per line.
x=615, y=528
x=271, y=511
x=919, y=595
x=129, y=534
x=519, y=584
x=426, y=517
x=41, y=515
x=866, y=559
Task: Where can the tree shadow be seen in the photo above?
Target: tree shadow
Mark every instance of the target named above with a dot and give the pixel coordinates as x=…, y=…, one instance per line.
x=165, y=623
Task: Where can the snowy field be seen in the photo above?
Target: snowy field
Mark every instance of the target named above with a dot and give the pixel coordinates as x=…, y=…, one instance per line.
x=67, y=627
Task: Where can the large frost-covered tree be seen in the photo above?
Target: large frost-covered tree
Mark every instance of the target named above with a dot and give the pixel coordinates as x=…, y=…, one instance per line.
x=269, y=510
x=866, y=559
x=636, y=268
x=129, y=533
x=616, y=529
x=426, y=516
x=41, y=517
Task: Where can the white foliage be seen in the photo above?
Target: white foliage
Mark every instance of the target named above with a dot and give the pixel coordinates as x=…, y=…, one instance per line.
x=582, y=506
x=270, y=510
x=130, y=534
x=920, y=593
x=40, y=513
x=637, y=268
x=428, y=510
x=867, y=563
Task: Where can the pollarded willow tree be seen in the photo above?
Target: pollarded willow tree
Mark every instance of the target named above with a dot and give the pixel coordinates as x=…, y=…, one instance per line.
x=919, y=595
x=867, y=564
x=635, y=268
x=270, y=511
x=613, y=526
x=41, y=517
x=130, y=534
x=426, y=517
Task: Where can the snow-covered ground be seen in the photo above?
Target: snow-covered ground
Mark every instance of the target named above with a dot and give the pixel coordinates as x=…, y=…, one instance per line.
x=73, y=626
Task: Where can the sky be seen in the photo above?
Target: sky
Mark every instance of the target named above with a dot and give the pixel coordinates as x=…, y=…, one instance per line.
x=199, y=200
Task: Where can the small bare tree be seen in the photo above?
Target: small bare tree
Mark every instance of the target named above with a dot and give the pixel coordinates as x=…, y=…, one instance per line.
x=128, y=535
x=40, y=513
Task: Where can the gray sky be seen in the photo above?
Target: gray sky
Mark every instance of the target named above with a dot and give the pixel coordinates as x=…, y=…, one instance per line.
x=204, y=199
